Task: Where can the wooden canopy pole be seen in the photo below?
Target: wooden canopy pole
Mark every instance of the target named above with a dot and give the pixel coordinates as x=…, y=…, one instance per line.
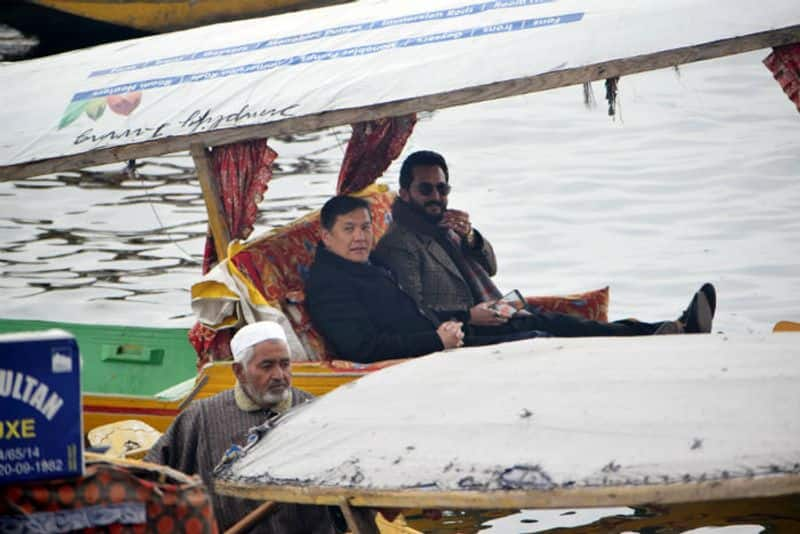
x=216, y=213
x=359, y=520
x=248, y=521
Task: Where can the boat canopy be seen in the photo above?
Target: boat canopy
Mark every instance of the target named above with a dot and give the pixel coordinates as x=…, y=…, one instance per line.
x=544, y=423
x=305, y=71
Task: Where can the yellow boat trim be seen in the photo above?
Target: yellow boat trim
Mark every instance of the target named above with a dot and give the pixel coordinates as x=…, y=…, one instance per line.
x=169, y=15
x=786, y=326
x=103, y=408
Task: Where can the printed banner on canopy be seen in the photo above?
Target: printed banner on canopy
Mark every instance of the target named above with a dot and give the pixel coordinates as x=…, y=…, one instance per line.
x=265, y=70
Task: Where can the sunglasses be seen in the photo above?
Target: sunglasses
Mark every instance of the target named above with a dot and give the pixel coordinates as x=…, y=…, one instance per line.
x=426, y=189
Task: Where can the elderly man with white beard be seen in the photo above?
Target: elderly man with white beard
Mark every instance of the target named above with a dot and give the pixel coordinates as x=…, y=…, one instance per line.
x=196, y=441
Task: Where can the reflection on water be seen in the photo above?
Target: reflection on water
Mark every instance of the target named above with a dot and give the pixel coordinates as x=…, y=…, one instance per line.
x=133, y=234
x=126, y=254
x=13, y=44
x=778, y=515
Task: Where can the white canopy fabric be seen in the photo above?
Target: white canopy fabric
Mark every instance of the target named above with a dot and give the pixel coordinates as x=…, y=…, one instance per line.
x=555, y=422
x=188, y=86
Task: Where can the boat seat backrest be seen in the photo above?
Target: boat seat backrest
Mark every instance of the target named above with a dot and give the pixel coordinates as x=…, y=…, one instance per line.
x=278, y=265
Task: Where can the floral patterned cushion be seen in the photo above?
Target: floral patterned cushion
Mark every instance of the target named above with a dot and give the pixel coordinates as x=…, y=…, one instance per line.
x=589, y=305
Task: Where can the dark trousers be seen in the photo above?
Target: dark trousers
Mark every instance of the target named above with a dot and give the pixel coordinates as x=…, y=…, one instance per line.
x=560, y=325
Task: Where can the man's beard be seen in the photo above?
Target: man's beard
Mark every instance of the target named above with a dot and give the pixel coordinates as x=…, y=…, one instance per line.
x=433, y=218
x=267, y=398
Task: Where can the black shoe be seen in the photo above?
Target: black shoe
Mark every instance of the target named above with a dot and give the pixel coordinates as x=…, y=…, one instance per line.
x=698, y=316
x=669, y=327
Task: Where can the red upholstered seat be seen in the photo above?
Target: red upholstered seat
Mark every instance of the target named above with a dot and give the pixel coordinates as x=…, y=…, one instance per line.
x=279, y=262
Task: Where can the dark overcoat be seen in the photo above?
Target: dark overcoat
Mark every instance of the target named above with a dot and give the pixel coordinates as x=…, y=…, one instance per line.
x=364, y=314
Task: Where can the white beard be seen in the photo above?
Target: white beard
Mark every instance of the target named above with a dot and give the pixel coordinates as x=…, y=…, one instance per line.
x=266, y=399
x=271, y=399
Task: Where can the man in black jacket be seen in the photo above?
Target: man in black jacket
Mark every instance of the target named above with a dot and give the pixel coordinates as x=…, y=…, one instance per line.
x=356, y=304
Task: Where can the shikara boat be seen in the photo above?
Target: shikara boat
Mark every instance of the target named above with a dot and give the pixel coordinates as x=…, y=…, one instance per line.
x=367, y=64
x=157, y=16
x=651, y=423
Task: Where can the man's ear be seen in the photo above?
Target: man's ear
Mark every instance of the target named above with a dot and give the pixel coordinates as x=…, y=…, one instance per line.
x=325, y=235
x=403, y=194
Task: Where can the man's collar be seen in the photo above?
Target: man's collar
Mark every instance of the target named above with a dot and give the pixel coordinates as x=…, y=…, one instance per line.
x=246, y=404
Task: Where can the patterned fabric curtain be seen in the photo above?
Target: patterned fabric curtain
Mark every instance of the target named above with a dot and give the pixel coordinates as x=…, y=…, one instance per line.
x=210, y=345
x=784, y=63
x=243, y=171
x=372, y=148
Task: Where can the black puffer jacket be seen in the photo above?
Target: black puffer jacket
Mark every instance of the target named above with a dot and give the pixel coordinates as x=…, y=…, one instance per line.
x=364, y=314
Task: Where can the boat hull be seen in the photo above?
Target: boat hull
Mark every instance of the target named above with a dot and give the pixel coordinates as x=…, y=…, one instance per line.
x=163, y=16
x=131, y=372
x=101, y=409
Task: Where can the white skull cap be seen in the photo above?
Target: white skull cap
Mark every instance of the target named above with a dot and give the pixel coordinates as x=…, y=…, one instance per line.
x=253, y=334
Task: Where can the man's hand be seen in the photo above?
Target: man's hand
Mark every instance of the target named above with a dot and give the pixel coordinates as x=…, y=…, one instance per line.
x=451, y=335
x=490, y=313
x=457, y=221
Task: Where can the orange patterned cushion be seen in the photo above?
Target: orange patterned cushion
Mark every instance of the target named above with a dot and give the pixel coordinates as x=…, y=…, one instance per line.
x=589, y=305
x=279, y=262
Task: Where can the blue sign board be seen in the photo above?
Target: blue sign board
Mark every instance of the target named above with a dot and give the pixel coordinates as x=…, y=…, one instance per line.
x=41, y=432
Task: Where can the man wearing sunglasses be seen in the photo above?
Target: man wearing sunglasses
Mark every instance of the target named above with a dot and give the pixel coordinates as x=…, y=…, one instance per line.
x=446, y=266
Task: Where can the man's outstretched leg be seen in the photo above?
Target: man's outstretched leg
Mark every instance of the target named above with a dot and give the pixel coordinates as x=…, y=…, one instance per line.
x=697, y=318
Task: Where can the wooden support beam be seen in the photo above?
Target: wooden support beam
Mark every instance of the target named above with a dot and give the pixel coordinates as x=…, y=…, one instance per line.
x=467, y=95
x=216, y=213
x=248, y=521
x=359, y=520
x=200, y=384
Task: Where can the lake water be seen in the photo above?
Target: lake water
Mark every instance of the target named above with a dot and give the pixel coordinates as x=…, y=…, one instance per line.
x=695, y=180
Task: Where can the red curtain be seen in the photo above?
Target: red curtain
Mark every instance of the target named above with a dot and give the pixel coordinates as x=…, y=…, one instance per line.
x=210, y=345
x=784, y=63
x=242, y=171
x=372, y=148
